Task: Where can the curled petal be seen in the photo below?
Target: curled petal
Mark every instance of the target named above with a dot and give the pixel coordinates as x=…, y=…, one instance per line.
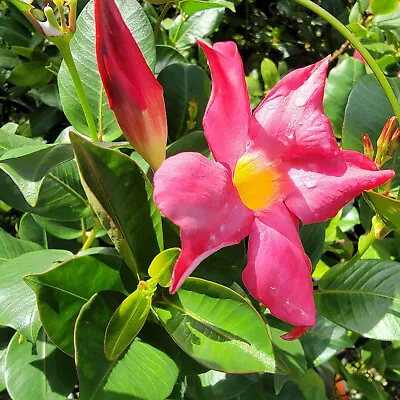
x=322, y=186
x=228, y=111
x=133, y=92
x=198, y=195
x=293, y=112
x=278, y=270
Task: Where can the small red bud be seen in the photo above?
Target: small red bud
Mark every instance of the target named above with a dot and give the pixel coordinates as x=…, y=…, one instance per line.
x=368, y=148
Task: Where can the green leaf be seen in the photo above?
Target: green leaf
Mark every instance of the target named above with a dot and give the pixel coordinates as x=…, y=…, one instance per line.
x=30, y=74
x=193, y=141
x=184, y=32
x=63, y=290
x=166, y=55
x=339, y=85
x=386, y=207
x=30, y=230
x=144, y=372
x=8, y=59
x=216, y=385
x=127, y=321
x=364, y=299
x=34, y=162
x=13, y=33
x=217, y=327
x=84, y=53
x=11, y=247
x=67, y=230
x=388, y=21
x=269, y=73
x=190, y=7
x=323, y=341
x=313, y=239
x=17, y=303
x=384, y=6
x=38, y=371
x=122, y=198
x=366, y=112
x=182, y=84
x=162, y=266
x=312, y=386
x=5, y=336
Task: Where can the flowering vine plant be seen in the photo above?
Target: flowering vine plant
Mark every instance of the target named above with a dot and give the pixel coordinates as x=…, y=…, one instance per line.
x=213, y=226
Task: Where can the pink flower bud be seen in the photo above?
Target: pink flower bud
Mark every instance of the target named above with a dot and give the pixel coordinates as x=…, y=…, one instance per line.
x=133, y=92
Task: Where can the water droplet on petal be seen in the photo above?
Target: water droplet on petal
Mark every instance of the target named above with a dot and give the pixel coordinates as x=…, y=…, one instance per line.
x=310, y=184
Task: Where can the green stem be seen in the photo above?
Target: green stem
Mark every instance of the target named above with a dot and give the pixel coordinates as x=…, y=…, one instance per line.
x=361, y=49
x=345, y=267
x=160, y=19
x=92, y=235
x=65, y=51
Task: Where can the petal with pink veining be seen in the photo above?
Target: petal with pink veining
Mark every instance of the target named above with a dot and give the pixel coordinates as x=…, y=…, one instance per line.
x=322, y=186
x=293, y=112
x=198, y=195
x=278, y=270
x=228, y=111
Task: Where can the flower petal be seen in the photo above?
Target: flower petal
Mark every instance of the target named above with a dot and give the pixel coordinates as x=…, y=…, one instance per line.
x=134, y=94
x=293, y=112
x=228, y=111
x=198, y=195
x=322, y=186
x=278, y=270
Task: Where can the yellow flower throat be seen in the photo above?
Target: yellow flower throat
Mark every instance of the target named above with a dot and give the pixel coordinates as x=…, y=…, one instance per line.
x=256, y=180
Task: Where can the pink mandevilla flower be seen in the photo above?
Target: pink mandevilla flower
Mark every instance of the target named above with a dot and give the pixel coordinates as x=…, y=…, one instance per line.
x=271, y=167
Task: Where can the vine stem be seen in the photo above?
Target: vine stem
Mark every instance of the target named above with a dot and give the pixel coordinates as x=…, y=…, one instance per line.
x=160, y=19
x=361, y=49
x=66, y=54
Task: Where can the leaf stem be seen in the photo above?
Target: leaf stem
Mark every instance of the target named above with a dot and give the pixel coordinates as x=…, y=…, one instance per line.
x=89, y=240
x=164, y=11
x=361, y=49
x=65, y=51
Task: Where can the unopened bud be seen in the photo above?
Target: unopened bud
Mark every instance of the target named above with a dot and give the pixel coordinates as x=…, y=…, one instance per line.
x=394, y=142
x=384, y=141
x=368, y=148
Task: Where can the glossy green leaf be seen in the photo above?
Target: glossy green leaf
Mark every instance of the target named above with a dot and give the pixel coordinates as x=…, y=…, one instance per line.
x=126, y=322
x=166, y=55
x=38, y=371
x=269, y=73
x=162, y=266
x=339, y=85
x=6, y=335
x=323, y=341
x=67, y=230
x=364, y=299
x=63, y=290
x=216, y=385
x=313, y=239
x=84, y=54
x=190, y=7
x=183, y=33
x=144, y=372
x=182, y=84
x=34, y=162
x=8, y=59
x=194, y=141
x=383, y=6
x=217, y=327
x=17, y=302
x=312, y=386
x=30, y=74
x=10, y=247
x=13, y=33
x=386, y=207
x=388, y=21
x=122, y=198
x=30, y=230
